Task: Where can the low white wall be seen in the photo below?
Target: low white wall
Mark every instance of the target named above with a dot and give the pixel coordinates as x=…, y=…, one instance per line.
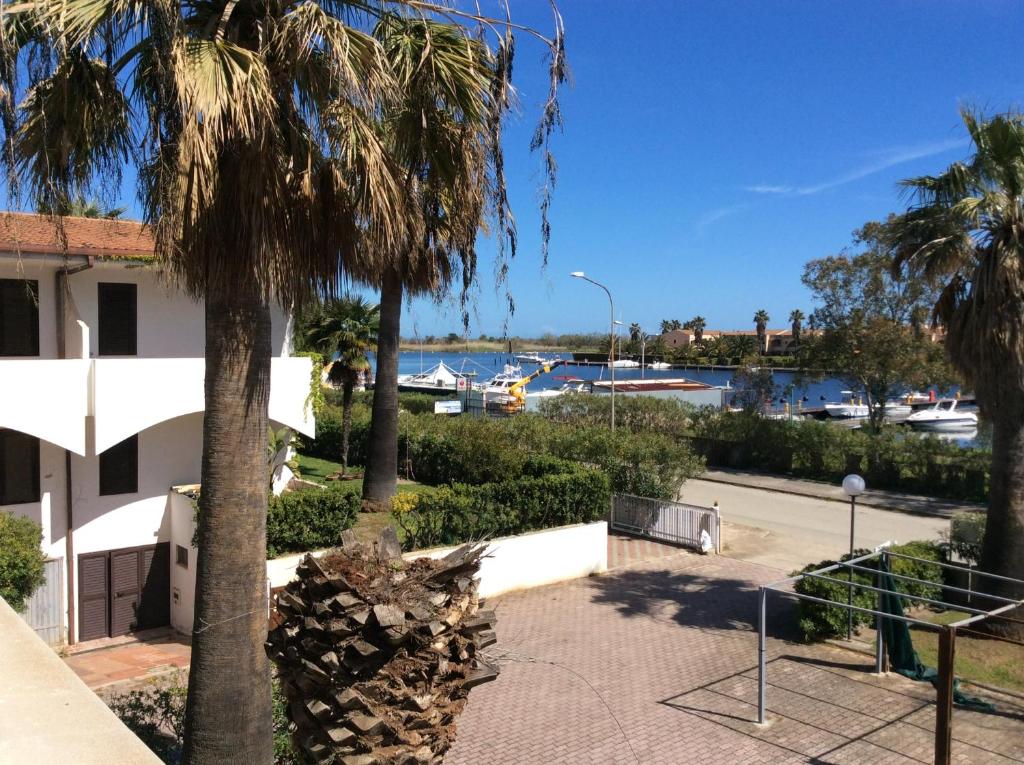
x=183, y=578
x=513, y=563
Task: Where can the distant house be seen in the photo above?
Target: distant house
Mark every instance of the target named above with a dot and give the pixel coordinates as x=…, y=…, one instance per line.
x=101, y=412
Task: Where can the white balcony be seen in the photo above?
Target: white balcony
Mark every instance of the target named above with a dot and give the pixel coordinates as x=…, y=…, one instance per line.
x=51, y=399
x=46, y=398
x=130, y=395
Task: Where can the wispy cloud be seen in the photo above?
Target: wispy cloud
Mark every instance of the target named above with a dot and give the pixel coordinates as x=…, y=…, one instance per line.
x=713, y=216
x=881, y=161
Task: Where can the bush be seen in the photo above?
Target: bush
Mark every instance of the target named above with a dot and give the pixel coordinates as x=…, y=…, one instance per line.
x=327, y=443
x=551, y=493
x=966, y=531
x=21, y=559
x=894, y=459
x=310, y=519
x=156, y=715
x=817, y=621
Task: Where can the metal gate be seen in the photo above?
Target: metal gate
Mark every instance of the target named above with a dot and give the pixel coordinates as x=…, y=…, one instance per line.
x=666, y=521
x=45, y=609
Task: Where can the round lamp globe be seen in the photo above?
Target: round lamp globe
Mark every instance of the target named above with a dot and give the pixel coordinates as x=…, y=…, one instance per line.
x=853, y=485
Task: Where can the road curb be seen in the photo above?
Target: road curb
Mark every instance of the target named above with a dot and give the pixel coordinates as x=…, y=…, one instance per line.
x=878, y=504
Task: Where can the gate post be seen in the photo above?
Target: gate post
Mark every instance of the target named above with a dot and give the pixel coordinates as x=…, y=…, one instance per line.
x=944, y=697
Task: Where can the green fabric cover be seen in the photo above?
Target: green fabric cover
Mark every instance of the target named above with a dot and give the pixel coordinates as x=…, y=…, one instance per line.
x=900, y=648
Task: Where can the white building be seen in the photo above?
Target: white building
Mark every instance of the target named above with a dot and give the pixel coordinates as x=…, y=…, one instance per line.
x=101, y=412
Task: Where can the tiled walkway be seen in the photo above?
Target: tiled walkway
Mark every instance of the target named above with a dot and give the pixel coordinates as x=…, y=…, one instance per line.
x=656, y=664
x=625, y=550
x=157, y=655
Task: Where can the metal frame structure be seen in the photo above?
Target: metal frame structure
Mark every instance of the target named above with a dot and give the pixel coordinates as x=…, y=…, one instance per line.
x=947, y=632
x=665, y=521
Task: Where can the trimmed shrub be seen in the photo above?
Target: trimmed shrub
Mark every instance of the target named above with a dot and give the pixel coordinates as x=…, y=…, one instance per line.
x=156, y=714
x=816, y=621
x=541, y=499
x=21, y=559
x=310, y=519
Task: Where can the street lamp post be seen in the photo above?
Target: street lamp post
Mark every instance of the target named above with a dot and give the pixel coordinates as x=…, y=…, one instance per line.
x=611, y=306
x=853, y=486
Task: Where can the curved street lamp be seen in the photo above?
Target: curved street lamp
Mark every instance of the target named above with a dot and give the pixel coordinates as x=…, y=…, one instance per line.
x=611, y=333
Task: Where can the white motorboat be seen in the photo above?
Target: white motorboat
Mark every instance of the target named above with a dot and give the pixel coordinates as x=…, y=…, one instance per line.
x=438, y=379
x=659, y=365
x=846, y=409
x=625, y=364
x=533, y=358
x=946, y=415
x=569, y=385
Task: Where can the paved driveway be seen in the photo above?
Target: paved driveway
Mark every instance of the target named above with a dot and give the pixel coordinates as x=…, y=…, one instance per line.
x=656, y=663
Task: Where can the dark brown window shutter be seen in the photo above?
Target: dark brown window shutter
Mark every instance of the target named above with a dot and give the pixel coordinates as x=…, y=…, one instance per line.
x=19, y=468
x=119, y=468
x=118, y=319
x=19, y=317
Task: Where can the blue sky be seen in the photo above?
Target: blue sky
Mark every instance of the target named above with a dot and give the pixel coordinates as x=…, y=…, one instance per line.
x=712, y=148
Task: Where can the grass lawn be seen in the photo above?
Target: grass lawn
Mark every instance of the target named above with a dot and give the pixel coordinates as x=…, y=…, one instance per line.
x=990, y=662
x=368, y=525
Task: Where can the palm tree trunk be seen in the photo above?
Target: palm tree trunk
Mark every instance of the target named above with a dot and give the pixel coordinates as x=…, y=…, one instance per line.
x=346, y=416
x=1003, y=547
x=381, y=477
x=228, y=712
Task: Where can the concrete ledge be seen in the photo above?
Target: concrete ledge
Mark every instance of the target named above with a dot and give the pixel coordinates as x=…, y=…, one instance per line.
x=513, y=563
x=48, y=715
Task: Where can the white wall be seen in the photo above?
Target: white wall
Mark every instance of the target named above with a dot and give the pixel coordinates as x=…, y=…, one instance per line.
x=514, y=563
x=48, y=399
x=183, y=579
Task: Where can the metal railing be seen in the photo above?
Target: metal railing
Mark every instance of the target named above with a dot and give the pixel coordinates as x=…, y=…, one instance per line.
x=666, y=521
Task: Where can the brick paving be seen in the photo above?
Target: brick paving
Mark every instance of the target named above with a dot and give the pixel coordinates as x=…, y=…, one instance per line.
x=625, y=550
x=656, y=663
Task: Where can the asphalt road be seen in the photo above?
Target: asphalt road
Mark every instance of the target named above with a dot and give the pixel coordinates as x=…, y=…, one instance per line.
x=786, y=531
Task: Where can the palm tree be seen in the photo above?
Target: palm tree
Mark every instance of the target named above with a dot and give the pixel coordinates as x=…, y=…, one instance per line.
x=665, y=326
x=697, y=325
x=761, y=320
x=635, y=333
x=796, y=319
x=966, y=228
x=80, y=207
x=263, y=176
x=444, y=132
x=344, y=331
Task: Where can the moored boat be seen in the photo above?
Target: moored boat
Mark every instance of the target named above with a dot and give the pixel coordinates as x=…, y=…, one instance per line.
x=846, y=409
x=659, y=365
x=945, y=415
x=438, y=379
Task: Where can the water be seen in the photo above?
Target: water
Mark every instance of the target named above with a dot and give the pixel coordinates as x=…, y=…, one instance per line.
x=812, y=394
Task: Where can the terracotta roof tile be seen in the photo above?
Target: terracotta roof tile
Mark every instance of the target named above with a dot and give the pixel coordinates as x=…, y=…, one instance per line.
x=99, y=237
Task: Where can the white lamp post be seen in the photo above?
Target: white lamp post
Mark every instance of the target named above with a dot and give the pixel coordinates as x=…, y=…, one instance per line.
x=611, y=305
x=853, y=487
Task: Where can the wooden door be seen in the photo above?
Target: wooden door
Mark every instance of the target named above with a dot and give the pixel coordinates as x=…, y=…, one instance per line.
x=155, y=587
x=125, y=591
x=93, y=596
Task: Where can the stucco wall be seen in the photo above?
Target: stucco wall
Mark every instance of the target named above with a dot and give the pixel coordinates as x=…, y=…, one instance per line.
x=513, y=563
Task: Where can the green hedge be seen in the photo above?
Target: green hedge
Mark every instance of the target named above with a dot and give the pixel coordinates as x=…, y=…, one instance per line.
x=310, y=519
x=550, y=493
x=894, y=459
x=21, y=559
x=817, y=621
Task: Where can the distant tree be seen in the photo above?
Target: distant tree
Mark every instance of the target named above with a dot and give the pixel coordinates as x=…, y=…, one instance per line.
x=754, y=386
x=343, y=331
x=796, y=319
x=635, y=333
x=79, y=207
x=452, y=338
x=696, y=325
x=761, y=320
x=863, y=315
x=667, y=325
x=738, y=346
x=966, y=229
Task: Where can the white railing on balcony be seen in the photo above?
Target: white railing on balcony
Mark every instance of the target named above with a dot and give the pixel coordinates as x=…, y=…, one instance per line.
x=46, y=398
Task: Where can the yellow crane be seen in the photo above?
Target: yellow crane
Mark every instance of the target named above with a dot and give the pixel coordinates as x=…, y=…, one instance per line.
x=516, y=392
